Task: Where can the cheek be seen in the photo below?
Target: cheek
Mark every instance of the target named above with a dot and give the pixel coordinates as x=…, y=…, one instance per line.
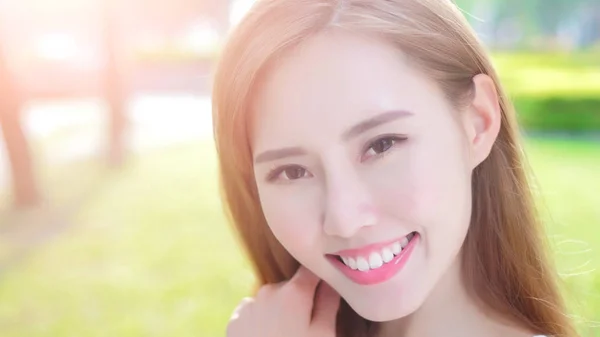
x=428, y=184
x=293, y=221
x=411, y=197
x=442, y=201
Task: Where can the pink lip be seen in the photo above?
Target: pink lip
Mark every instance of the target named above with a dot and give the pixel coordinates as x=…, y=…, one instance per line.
x=381, y=274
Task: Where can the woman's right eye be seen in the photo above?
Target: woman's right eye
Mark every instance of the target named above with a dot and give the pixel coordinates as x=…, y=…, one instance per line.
x=288, y=173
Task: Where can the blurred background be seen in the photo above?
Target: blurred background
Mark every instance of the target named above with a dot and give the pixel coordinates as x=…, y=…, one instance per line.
x=110, y=219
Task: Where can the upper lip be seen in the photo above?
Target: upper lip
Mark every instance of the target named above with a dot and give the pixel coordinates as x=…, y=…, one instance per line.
x=367, y=249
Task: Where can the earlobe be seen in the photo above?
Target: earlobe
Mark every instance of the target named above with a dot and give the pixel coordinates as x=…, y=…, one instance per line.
x=484, y=118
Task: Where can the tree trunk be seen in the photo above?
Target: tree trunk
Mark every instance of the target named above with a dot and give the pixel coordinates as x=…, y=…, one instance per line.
x=114, y=90
x=25, y=190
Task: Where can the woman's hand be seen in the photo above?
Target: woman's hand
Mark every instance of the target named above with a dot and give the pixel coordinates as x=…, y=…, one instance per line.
x=301, y=307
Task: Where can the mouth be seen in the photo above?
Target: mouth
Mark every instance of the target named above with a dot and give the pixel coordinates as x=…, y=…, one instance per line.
x=375, y=263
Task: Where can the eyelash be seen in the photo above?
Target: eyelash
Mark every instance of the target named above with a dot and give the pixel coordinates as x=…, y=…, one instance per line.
x=392, y=137
x=277, y=171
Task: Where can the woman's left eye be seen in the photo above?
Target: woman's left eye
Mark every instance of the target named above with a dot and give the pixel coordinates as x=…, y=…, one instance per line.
x=381, y=145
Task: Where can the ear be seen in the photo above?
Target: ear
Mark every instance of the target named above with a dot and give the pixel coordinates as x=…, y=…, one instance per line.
x=482, y=119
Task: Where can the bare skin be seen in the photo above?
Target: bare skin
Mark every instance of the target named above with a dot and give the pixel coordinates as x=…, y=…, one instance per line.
x=301, y=307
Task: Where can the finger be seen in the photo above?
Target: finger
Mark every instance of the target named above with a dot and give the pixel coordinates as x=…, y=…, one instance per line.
x=244, y=304
x=265, y=291
x=241, y=313
x=304, y=283
x=326, y=306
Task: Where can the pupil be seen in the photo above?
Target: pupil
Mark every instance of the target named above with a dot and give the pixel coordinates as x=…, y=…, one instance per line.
x=382, y=145
x=295, y=173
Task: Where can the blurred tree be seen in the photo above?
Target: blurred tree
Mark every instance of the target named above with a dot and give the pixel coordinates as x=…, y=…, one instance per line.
x=114, y=88
x=549, y=13
x=25, y=189
x=532, y=18
x=591, y=26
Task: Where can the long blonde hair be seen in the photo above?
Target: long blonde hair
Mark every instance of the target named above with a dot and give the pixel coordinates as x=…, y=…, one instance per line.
x=504, y=254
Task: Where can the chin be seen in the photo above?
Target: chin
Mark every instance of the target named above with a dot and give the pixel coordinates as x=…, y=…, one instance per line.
x=384, y=311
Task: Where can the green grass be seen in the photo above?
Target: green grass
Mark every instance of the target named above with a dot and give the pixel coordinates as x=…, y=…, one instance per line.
x=150, y=254
x=567, y=178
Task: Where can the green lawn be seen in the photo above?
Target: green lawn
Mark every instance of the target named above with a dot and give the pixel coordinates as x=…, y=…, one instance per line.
x=568, y=185
x=150, y=254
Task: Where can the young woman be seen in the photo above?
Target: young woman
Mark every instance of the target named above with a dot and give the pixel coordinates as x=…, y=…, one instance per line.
x=370, y=162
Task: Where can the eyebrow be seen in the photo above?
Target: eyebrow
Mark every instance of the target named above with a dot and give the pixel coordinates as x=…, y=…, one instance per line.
x=271, y=155
x=373, y=122
x=354, y=131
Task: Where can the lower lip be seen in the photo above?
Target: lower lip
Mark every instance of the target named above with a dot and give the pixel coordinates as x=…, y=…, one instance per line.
x=381, y=274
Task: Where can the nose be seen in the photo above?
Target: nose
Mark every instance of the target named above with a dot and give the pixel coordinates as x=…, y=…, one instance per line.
x=348, y=204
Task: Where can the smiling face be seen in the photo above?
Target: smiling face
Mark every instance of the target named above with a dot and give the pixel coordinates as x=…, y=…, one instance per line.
x=360, y=160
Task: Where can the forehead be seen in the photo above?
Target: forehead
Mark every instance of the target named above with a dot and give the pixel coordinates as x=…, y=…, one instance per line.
x=332, y=81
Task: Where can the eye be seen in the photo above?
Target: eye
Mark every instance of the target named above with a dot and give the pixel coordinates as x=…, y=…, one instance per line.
x=288, y=173
x=381, y=145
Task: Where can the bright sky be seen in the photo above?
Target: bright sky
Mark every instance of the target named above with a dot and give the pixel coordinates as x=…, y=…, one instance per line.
x=238, y=10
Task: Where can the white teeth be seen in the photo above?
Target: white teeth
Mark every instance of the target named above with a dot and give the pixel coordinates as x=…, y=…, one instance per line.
x=404, y=242
x=352, y=263
x=396, y=248
x=387, y=255
x=375, y=260
x=362, y=264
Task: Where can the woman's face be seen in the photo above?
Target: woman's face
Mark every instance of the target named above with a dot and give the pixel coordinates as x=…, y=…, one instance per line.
x=363, y=171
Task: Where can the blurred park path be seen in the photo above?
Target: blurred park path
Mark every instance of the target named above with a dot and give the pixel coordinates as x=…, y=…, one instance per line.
x=75, y=129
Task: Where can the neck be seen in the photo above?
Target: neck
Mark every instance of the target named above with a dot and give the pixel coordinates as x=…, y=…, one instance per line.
x=450, y=311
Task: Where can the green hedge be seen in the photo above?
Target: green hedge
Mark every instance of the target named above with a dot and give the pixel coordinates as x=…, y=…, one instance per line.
x=555, y=113
x=554, y=92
